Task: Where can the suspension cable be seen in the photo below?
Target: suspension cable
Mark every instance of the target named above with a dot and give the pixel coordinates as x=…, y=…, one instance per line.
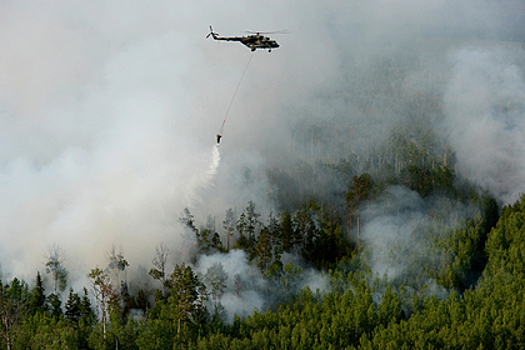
x=235, y=93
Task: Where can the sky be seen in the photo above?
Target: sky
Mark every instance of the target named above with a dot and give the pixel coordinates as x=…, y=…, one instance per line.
x=108, y=111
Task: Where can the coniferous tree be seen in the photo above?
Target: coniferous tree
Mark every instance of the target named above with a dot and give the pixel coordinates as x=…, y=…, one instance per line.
x=86, y=312
x=186, y=300
x=117, y=265
x=187, y=219
x=73, y=309
x=203, y=240
x=140, y=301
x=229, y=226
x=288, y=237
x=38, y=299
x=307, y=233
x=14, y=306
x=247, y=226
x=263, y=249
x=216, y=243
x=54, y=305
x=238, y=283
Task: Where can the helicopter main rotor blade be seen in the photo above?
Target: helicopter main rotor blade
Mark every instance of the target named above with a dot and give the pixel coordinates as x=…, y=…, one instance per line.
x=283, y=31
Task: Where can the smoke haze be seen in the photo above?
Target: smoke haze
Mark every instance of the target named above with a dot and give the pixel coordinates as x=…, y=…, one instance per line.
x=485, y=101
x=108, y=112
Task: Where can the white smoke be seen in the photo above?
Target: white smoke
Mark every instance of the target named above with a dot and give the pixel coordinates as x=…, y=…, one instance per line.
x=100, y=140
x=108, y=111
x=401, y=229
x=247, y=290
x=239, y=299
x=485, y=118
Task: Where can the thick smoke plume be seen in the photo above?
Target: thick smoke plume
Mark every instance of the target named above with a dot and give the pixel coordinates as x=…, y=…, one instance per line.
x=485, y=118
x=108, y=111
x=244, y=288
x=401, y=230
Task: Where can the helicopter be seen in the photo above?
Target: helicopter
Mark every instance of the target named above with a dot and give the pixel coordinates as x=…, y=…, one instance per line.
x=253, y=42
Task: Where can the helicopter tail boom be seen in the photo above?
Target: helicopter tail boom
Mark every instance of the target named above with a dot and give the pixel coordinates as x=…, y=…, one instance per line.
x=216, y=36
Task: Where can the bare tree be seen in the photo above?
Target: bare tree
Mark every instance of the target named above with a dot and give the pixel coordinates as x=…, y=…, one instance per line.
x=116, y=264
x=159, y=262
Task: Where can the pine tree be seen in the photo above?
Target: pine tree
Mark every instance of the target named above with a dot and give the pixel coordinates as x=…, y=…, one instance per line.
x=73, y=309
x=188, y=220
x=14, y=306
x=247, y=225
x=186, y=300
x=54, y=305
x=86, y=312
x=287, y=233
x=307, y=233
x=229, y=226
x=38, y=299
x=263, y=249
x=216, y=243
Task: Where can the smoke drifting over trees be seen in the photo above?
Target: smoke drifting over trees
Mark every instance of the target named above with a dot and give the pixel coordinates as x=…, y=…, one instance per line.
x=108, y=116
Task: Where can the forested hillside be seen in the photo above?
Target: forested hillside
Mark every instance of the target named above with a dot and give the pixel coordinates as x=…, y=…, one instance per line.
x=359, y=187
x=318, y=279
x=381, y=247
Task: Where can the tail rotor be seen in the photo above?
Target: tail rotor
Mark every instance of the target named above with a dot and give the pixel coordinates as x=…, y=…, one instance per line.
x=212, y=33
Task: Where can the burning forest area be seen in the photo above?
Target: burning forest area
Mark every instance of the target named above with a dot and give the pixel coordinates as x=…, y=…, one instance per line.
x=342, y=175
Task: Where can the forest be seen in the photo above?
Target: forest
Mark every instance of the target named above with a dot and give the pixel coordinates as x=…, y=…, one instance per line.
x=367, y=193
x=377, y=238
x=455, y=282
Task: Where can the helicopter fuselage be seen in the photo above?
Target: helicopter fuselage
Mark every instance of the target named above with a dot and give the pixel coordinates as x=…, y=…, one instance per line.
x=253, y=42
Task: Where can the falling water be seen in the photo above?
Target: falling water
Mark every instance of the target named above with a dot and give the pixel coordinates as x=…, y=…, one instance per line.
x=204, y=180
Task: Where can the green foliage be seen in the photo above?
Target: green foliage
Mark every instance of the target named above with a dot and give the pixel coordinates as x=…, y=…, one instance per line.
x=42, y=331
x=55, y=268
x=14, y=308
x=54, y=305
x=38, y=298
x=479, y=261
x=181, y=318
x=103, y=294
x=358, y=313
x=186, y=303
x=229, y=226
x=247, y=225
x=460, y=285
x=73, y=307
x=506, y=242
